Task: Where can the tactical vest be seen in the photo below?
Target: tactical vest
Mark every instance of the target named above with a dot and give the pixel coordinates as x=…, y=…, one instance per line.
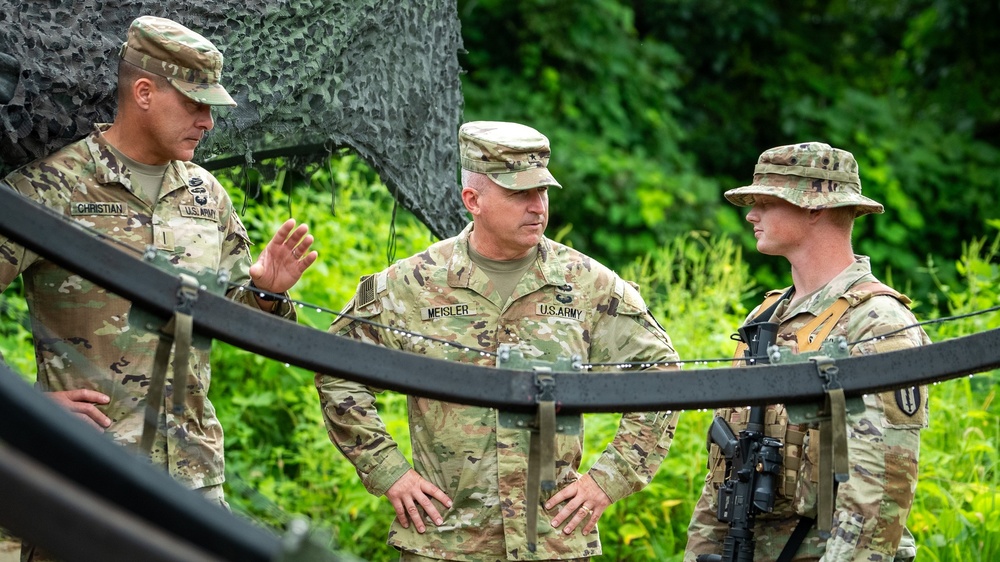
x=797, y=438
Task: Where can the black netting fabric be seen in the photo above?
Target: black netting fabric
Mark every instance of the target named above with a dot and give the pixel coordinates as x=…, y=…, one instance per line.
x=310, y=76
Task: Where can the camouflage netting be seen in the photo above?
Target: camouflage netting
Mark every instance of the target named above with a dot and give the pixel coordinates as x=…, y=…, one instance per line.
x=310, y=76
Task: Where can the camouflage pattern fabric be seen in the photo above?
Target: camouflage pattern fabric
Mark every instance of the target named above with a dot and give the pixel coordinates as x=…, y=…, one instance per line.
x=871, y=508
x=191, y=63
x=83, y=339
x=811, y=175
x=565, y=305
x=512, y=155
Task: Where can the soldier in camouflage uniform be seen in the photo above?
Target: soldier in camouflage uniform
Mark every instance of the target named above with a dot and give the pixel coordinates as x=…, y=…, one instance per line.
x=500, y=281
x=804, y=200
x=132, y=182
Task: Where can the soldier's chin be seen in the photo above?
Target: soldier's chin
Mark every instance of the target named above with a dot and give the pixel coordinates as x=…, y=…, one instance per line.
x=185, y=154
x=763, y=248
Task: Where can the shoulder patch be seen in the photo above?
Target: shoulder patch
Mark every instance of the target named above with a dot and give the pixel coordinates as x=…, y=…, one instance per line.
x=905, y=407
x=369, y=288
x=366, y=291
x=909, y=400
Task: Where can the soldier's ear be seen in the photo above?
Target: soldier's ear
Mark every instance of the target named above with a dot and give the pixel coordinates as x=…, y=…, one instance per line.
x=470, y=197
x=142, y=92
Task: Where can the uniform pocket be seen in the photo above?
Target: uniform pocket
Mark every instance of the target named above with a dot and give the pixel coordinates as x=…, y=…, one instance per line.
x=808, y=476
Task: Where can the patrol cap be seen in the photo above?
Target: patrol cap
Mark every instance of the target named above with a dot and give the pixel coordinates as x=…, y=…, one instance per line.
x=811, y=175
x=191, y=63
x=514, y=156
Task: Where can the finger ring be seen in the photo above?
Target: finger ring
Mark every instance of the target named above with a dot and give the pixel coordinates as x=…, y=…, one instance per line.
x=587, y=510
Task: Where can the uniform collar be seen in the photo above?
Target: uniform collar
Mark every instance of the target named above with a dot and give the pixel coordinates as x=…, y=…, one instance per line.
x=109, y=169
x=461, y=270
x=823, y=298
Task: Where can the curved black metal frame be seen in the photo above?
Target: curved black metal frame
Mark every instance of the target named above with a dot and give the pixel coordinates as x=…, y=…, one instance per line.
x=97, y=488
x=44, y=232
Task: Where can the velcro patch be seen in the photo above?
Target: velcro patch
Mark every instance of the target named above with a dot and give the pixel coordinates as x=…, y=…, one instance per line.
x=435, y=312
x=366, y=291
x=905, y=407
x=110, y=208
x=194, y=211
x=164, y=239
x=559, y=310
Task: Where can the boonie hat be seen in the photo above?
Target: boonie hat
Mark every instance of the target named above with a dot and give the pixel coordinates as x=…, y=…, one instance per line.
x=811, y=175
x=514, y=156
x=187, y=60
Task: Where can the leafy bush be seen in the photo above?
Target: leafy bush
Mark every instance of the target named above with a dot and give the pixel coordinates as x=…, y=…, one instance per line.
x=279, y=459
x=956, y=513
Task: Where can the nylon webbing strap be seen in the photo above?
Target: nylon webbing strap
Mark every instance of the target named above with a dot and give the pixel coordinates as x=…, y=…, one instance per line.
x=155, y=394
x=825, y=322
x=833, y=444
x=824, y=500
x=533, y=493
x=795, y=541
x=183, y=327
x=768, y=307
x=176, y=334
x=838, y=409
x=541, y=453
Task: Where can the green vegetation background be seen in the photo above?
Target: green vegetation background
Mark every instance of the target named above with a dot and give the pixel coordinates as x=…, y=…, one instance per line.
x=654, y=108
x=280, y=461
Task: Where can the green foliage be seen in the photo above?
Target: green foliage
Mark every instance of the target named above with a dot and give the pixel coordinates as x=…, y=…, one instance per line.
x=17, y=350
x=693, y=286
x=655, y=107
x=956, y=513
x=606, y=98
x=280, y=462
x=279, y=459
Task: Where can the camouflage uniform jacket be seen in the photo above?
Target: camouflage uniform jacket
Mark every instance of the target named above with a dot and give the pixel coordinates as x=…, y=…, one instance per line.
x=870, y=509
x=565, y=305
x=82, y=335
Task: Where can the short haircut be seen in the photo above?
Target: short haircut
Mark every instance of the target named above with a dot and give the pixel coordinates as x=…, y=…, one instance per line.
x=476, y=180
x=128, y=73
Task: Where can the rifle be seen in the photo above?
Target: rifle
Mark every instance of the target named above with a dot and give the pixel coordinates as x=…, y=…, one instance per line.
x=752, y=462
